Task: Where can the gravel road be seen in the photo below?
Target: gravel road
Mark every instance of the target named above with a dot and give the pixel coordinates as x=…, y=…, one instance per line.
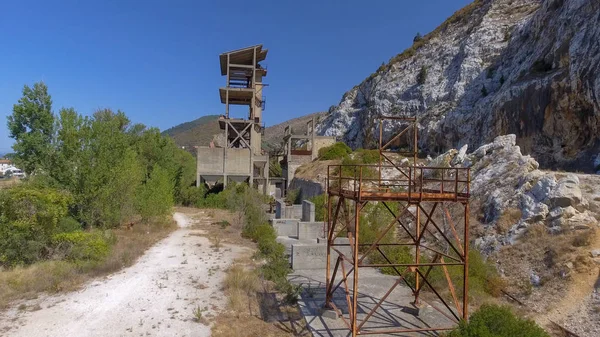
x=154, y=297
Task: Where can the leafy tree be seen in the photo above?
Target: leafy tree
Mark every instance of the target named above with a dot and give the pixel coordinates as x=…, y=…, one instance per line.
x=31, y=125
x=418, y=37
x=155, y=197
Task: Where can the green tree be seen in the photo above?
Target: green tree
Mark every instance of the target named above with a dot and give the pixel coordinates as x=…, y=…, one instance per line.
x=31, y=125
x=155, y=197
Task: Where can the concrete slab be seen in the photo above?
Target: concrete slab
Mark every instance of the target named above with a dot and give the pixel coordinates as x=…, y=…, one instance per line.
x=310, y=230
x=313, y=256
x=395, y=312
x=308, y=211
x=286, y=227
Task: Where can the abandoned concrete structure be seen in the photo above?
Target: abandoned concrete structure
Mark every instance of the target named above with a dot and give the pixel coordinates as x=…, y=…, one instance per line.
x=301, y=148
x=241, y=158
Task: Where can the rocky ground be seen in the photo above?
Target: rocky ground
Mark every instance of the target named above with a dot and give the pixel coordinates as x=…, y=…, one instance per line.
x=540, y=227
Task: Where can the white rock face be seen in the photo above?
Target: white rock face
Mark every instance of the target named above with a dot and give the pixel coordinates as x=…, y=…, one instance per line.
x=504, y=179
x=523, y=67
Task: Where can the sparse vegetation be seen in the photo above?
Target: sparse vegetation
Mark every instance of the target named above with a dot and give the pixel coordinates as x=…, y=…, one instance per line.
x=338, y=150
x=496, y=321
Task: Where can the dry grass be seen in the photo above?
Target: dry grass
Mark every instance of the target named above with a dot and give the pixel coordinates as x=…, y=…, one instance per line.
x=56, y=276
x=243, y=285
x=9, y=182
x=508, y=218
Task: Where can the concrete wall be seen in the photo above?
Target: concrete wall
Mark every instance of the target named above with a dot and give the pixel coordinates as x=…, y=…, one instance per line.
x=321, y=142
x=238, y=161
x=314, y=256
x=308, y=188
x=286, y=227
x=210, y=160
x=308, y=211
x=310, y=230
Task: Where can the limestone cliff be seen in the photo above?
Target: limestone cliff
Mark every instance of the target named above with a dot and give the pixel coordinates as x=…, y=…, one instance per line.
x=526, y=67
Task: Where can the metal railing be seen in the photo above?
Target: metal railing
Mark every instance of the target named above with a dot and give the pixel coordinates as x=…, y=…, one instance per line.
x=412, y=181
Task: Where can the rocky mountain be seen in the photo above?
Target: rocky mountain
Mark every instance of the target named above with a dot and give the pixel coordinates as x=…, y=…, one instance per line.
x=526, y=67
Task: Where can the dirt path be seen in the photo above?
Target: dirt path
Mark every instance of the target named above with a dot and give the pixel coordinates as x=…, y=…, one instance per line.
x=155, y=297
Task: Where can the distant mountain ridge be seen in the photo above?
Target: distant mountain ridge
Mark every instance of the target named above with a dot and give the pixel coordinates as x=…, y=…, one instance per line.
x=198, y=132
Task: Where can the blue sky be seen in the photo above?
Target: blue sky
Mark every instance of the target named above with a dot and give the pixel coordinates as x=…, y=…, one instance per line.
x=158, y=60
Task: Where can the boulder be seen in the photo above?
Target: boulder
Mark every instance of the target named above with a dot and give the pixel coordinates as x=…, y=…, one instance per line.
x=531, y=209
x=543, y=187
x=460, y=156
x=566, y=192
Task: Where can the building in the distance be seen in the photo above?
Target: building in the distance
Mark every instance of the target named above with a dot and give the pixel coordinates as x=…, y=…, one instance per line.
x=240, y=158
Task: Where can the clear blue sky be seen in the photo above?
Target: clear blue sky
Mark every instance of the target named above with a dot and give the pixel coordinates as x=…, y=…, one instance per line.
x=158, y=60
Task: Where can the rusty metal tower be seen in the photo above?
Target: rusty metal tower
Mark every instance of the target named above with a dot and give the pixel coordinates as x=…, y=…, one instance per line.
x=422, y=201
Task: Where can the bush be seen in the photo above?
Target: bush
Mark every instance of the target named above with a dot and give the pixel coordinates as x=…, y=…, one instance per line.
x=320, y=202
x=293, y=197
x=338, y=150
x=155, y=197
x=496, y=321
x=191, y=195
x=67, y=224
x=28, y=218
x=82, y=246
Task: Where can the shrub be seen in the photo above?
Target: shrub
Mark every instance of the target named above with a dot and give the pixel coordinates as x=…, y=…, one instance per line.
x=155, y=197
x=191, y=195
x=67, y=224
x=82, y=246
x=28, y=218
x=368, y=156
x=320, y=202
x=338, y=150
x=293, y=197
x=496, y=321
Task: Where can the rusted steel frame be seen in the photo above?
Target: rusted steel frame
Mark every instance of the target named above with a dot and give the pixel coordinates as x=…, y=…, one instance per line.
x=429, y=219
x=415, y=146
x=343, y=256
x=453, y=228
x=444, y=236
x=429, y=269
x=382, y=235
x=363, y=204
x=330, y=280
x=394, y=331
x=451, y=287
x=342, y=281
x=380, y=141
x=347, y=291
x=379, y=244
x=465, y=310
x=417, y=251
x=442, y=254
x=440, y=297
x=396, y=270
x=333, y=220
x=401, y=224
x=456, y=186
x=398, y=135
x=394, y=165
x=452, y=318
x=340, y=315
x=355, y=259
x=379, y=265
x=380, y=302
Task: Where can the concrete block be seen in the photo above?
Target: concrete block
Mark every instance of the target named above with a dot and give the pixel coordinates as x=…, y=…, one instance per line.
x=279, y=208
x=310, y=230
x=286, y=227
x=296, y=212
x=337, y=240
x=313, y=256
x=308, y=211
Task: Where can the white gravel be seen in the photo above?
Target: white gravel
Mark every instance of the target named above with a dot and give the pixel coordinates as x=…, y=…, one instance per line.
x=154, y=297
